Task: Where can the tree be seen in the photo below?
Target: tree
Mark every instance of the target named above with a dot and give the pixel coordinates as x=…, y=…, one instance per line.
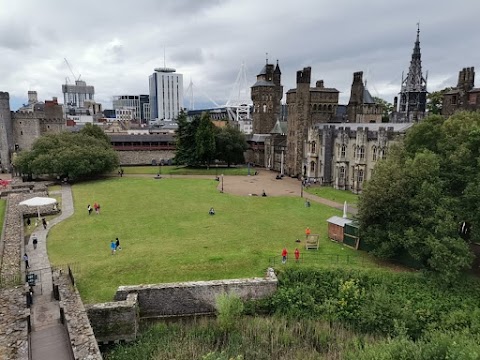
x=387, y=108
x=230, y=145
x=416, y=199
x=435, y=101
x=185, y=153
x=75, y=155
x=205, y=140
x=95, y=131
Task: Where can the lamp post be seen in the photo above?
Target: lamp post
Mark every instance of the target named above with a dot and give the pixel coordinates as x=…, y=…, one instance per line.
x=222, y=183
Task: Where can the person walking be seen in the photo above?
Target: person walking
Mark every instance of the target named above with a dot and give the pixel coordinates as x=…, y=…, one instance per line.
x=29, y=222
x=34, y=241
x=113, y=247
x=307, y=232
x=117, y=244
x=284, y=255
x=89, y=208
x=25, y=258
x=44, y=222
x=297, y=254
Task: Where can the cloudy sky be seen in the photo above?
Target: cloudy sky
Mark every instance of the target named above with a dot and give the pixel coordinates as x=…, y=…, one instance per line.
x=116, y=44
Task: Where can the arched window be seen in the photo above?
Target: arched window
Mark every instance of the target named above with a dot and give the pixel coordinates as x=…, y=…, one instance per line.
x=312, y=167
x=374, y=153
x=329, y=107
x=264, y=108
x=360, y=176
x=341, y=174
x=344, y=150
x=362, y=152
x=314, y=147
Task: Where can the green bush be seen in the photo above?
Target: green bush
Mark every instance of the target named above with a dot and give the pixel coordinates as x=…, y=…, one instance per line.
x=229, y=310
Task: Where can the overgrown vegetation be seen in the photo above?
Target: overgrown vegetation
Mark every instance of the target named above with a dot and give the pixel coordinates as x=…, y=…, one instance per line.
x=418, y=198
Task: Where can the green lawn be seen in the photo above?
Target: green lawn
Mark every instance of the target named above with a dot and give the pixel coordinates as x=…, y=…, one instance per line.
x=167, y=235
x=330, y=193
x=173, y=170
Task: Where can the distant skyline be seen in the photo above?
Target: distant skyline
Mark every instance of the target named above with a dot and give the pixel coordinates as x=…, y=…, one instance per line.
x=115, y=45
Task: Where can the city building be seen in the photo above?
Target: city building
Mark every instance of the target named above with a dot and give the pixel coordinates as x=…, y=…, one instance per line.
x=126, y=113
x=133, y=101
x=413, y=92
x=344, y=155
x=463, y=97
x=74, y=96
x=166, y=94
x=306, y=106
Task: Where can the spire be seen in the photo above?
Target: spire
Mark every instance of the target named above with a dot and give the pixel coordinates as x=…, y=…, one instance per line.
x=277, y=69
x=414, y=80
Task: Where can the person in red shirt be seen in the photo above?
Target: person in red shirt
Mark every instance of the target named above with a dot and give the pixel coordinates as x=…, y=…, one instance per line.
x=297, y=255
x=284, y=255
x=307, y=232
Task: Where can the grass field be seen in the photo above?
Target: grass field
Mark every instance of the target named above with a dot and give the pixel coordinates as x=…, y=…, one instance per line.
x=173, y=170
x=167, y=235
x=330, y=193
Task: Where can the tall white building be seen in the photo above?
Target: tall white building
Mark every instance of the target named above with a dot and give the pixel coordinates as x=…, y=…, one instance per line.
x=135, y=101
x=166, y=94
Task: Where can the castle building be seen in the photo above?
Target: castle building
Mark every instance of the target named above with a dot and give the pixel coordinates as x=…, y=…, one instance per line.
x=306, y=106
x=267, y=93
x=464, y=96
x=166, y=94
x=361, y=107
x=413, y=92
x=6, y=132
x=344, y=155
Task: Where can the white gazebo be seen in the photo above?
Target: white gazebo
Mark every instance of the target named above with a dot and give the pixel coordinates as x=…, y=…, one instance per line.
x=37, y=202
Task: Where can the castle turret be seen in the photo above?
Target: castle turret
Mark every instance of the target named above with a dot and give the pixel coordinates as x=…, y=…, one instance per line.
x=6, y=133
x=267, y=94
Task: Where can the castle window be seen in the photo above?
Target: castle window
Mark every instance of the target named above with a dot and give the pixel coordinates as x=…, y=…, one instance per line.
x=312, y=167
x=342, y=173
x=329, y=107
x=374, y=153
x=454, y=100
x=21, y=132
x=314, y=147
x=362, y=152
x=264, y=108
x=344, y=150
x=360, y=176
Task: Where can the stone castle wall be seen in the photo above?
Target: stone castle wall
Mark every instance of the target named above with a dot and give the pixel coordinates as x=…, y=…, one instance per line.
x=6, y=143
x=144, y=157
x=193, y=298
x=115, y=321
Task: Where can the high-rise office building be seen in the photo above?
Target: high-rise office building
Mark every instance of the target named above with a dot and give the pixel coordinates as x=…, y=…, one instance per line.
x=166, y=94
x=132, y=101
x=76, y=95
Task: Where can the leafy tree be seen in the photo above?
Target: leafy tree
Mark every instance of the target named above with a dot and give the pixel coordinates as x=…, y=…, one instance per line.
x=186, y=140
x=416, y=199
x=387, y=108
x=230, y=145
x=205, y=140
x=435, y=101
x=95, y=131
x=75, y=155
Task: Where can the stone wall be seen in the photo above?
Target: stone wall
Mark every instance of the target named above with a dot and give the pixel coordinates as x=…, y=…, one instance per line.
x=115, y=321
x=194, y=298
x=144, y=157
x=82, y=338
x=13, y=324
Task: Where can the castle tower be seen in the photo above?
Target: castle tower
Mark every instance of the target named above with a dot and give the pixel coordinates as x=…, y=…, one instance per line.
x=413, y=93
x=356, y=97
x=267, y=94
x=6, y=133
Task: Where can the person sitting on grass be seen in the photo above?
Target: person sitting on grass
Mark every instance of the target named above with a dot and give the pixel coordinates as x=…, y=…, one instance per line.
x=211, y=211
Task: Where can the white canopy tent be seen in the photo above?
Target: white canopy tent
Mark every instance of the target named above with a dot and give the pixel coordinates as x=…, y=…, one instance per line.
x=37, y=202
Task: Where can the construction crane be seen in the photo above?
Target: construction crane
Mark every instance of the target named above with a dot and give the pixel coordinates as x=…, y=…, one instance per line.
x=71, y=71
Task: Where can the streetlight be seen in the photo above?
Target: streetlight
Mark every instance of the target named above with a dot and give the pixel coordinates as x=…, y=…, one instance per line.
x=222, y=183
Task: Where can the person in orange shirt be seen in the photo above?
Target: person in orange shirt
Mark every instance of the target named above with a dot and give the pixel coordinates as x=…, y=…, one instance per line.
x=307, y=232
x=297, y=255
x=284, y=255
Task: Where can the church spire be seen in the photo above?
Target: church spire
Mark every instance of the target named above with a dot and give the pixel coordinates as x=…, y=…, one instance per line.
x=414, y=80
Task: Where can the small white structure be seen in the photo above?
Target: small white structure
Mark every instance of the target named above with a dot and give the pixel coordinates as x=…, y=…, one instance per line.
x=37, y=202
